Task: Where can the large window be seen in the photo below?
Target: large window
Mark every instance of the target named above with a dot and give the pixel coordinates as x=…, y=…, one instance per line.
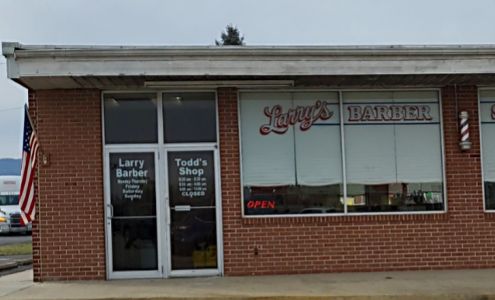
x=291, y=153
x=487, y=118
x=131, y=118
x=189, y=117
x=393, y=151
x=292, y=159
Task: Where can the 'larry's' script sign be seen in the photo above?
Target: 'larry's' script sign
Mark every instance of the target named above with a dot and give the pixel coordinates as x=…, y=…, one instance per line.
x=279, y=121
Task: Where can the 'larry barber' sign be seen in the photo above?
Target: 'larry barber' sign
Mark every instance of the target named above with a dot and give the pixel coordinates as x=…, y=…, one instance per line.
x=132, y=177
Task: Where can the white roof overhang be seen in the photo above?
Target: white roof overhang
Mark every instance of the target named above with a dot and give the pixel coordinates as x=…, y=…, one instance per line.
x=61, y=66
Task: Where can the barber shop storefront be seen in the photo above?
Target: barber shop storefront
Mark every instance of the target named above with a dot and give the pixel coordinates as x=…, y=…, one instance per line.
x=159, y=162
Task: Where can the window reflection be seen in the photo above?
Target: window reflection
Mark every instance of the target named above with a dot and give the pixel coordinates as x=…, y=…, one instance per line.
x=394, y=197
x=130, y=118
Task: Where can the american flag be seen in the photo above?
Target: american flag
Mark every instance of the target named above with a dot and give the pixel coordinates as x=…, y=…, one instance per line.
x=29, y=155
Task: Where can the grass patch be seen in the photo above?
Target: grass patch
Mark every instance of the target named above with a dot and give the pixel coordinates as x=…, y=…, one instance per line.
x=17, y=249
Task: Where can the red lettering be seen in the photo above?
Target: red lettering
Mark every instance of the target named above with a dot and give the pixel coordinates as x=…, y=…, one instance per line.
x=261, y=204
x=306, y=116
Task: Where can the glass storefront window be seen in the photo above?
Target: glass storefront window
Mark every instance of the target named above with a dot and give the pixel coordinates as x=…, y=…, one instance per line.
x=189, y=117
x=487, y=118
x=130, y=118
x=133, y=213
x=291, y=153
x=393, y=151
x=292, y=160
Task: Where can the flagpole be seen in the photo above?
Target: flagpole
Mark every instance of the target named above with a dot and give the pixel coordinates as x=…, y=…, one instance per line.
x=29, y=117
x=38, y=194
x=39, y=202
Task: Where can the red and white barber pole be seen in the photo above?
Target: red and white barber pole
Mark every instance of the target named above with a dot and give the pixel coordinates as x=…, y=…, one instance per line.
x=465, y=143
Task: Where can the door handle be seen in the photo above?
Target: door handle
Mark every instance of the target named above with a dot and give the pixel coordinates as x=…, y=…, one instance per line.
x=167, y=208
x=110, y=207
x=182, y=208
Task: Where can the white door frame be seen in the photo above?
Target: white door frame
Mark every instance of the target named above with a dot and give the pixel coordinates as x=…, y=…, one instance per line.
x=218, y=209
x=108, y=213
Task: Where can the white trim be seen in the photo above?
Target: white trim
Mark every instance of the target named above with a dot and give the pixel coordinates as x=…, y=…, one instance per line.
x=327, y=215
x=218, y=212
x=305, y=89
x=239, y=141
x=442, y=145
x=342, y=151
x=195, y=273
x=160, y=121
x=481, y=148
x=10, y=48
x=198, y=84
x=106, y=193
x=45, y=61
x=160, y=150
x=444, y=183
x=108, y=225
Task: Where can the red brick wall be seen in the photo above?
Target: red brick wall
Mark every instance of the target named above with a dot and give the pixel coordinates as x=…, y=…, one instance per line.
x=68, y=234
x=464, y=237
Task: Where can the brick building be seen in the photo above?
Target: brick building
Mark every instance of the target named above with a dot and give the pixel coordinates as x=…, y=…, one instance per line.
x=190, y=161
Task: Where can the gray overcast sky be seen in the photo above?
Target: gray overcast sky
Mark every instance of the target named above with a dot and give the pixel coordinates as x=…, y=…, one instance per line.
x=267, y=22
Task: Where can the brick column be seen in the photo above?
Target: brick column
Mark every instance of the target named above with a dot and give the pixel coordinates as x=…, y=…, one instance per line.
x=463, y=169
x=68, y=234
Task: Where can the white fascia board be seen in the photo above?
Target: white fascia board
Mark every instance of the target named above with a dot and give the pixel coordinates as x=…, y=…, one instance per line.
x=54, y=67
x=8, y=50
x=49, y=61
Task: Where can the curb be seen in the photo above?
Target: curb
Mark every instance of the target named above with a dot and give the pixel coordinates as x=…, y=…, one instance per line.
x=15, y=263
x=300, y=297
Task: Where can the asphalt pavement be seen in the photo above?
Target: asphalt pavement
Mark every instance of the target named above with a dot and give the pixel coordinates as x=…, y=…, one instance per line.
x=14, y=239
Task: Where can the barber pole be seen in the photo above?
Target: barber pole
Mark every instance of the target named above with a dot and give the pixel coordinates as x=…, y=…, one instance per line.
x=465, y=144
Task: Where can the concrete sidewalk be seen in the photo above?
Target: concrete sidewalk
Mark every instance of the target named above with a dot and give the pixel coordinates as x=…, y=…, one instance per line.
x=464, y=284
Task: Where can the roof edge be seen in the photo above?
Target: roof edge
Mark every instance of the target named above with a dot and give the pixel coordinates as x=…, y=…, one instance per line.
x=8, y=48
x=33, y=51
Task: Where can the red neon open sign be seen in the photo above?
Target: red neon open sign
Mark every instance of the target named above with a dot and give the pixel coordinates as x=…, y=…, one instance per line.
x=261, y=204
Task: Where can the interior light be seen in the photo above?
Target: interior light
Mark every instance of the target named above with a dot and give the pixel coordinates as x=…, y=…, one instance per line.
x=113, y=102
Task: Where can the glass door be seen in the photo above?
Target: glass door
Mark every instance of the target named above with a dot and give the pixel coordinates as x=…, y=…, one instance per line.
x=131, y=194
x=192, y=211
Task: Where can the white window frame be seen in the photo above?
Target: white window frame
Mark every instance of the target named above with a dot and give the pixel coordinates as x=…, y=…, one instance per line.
x=342, y=137
x=480, y=89
x=160, y=148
